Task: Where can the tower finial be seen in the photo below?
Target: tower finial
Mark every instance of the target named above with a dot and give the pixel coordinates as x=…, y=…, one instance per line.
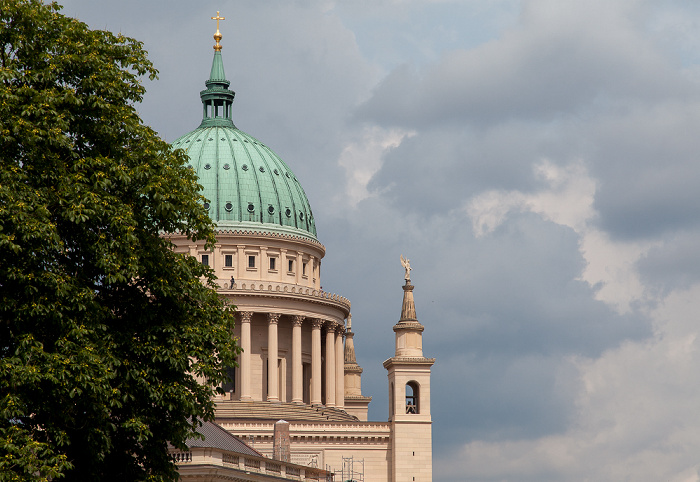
x=217, y=35
x=406, y=263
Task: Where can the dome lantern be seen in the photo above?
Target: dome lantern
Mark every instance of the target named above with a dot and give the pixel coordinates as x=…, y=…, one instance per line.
x=217, y=99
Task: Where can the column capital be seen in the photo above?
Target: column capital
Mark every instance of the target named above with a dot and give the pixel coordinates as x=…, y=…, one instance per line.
x=317, y=323
x=273, y=318
x=331, y=325
x=246, y=316
x=297, y=319
x=340, y=329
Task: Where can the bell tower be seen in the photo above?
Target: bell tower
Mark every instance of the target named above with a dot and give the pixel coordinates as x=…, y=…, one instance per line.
x=409, y=396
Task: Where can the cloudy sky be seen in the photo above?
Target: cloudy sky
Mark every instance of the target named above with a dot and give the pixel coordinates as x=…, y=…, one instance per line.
x=538, y=163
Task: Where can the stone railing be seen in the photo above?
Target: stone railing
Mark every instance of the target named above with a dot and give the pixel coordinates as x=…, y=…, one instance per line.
x=277, y=288
x=192, y=462
x=181, y=457
x=277, y=468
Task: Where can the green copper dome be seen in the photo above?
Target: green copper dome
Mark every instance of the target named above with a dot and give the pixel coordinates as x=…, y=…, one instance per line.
x=248, y=186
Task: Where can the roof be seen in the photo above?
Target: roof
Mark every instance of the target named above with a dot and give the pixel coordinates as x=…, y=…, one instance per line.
x=218, y=438
x=243, y=180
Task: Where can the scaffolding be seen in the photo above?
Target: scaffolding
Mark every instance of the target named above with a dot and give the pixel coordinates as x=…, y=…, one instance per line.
x=352, y=471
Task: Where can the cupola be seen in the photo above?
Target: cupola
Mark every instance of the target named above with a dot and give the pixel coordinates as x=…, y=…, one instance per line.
x=247, y=186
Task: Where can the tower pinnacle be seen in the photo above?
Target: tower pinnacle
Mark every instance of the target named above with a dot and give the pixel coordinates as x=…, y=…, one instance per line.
x=217, y=35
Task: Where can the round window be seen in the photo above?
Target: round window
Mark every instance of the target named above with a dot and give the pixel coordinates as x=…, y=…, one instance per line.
x=271, y=210
x=251, y=207
x=288, y=212
x=229, y=206
x=244, y=167
x=206, y=206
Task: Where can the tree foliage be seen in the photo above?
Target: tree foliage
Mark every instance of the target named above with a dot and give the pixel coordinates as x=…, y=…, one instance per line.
x=104, y=330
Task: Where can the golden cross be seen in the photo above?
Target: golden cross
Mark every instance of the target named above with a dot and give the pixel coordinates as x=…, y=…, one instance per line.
x=217, y=35
x=217, y=18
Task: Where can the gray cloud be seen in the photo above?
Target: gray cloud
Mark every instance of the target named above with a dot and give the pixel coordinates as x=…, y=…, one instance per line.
x=674, y=265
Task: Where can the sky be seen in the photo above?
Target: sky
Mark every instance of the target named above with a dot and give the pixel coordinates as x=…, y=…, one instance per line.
x=536, y=160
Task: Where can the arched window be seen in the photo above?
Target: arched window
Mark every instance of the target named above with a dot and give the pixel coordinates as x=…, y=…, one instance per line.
x=412, y=398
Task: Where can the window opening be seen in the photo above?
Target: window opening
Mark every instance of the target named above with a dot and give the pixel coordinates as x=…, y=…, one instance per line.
x=291, y=265
x=230, y=385
x=205, y=259
x=391, y=399
x=272, y=263
x=251, y=261
x=228, y=260
x=412, y=397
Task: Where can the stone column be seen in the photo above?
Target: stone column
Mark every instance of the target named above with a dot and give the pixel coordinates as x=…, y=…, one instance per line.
x=330, y=364
x=272, y=370
x=246, y=316
x=316, y=325
x=339, y=368
x=297, y=368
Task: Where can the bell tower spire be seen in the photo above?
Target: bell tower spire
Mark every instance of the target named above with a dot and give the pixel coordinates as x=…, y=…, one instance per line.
x=409, y=395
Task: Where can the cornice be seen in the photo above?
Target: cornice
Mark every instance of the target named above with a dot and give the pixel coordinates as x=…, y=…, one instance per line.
x=408, y=360
x=287, y=291
x=262, y=234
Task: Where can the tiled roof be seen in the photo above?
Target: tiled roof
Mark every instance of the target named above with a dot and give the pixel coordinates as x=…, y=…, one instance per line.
x=218, y=438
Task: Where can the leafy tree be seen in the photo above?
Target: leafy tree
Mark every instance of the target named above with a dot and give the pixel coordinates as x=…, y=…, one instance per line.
x=104, y=330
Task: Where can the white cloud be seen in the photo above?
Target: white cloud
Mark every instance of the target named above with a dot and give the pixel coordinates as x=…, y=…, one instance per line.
x=567, y=199
x=362, y=157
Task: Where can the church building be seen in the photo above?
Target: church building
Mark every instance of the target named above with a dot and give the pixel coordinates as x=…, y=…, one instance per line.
x=294, y=408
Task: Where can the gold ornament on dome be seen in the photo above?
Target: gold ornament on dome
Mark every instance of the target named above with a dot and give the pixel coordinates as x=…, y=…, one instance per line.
x=217, y=35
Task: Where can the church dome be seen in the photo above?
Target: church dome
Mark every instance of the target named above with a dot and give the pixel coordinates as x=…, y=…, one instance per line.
x=248, y=187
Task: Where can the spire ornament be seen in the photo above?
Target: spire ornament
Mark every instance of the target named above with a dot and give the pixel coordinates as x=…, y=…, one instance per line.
x=217, y=35
x=406, y=263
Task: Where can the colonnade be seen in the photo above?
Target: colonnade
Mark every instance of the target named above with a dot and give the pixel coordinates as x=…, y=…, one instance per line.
x=334, y=360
